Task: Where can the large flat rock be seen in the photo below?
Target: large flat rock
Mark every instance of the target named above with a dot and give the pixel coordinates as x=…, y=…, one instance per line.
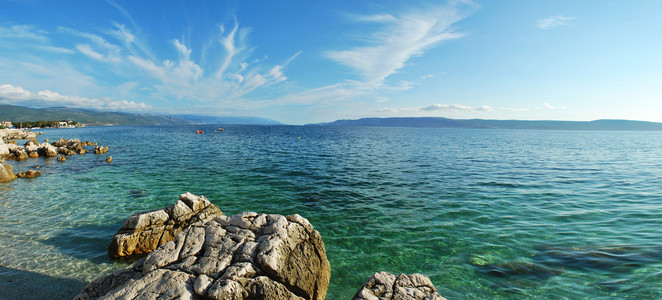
x=245, y=256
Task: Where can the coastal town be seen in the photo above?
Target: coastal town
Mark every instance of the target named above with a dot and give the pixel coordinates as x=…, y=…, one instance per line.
x=41, y=124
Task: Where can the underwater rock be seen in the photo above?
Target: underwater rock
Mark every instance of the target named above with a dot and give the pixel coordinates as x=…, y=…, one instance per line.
x=61, y=158
x=143, y=232
x=29, y=174
x=386, y=286
x=245, y=256
x=6, y=173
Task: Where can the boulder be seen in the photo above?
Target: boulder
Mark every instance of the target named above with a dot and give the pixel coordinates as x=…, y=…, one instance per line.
x=100, y=150
x=109, y=159
x=386, y=286
x=6, y=173
x=32, y=142
x=60, y=143
x=245, y=256
x=20, y=154
x=48, y=150
x=143, y=232
x=29, y=174
x=33, y=154
x=4, y=150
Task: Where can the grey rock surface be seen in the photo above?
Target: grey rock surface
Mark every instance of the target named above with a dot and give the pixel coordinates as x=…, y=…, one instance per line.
x=245, y=256
x=386, y=286
x=143, y=232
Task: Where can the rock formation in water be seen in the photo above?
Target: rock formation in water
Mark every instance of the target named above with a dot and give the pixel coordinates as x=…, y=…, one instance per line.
x=17, y=134
x=33, y=149
x=245, y=256
x=100, y=150
x=386, y=286
x=143, y=232
x=6, y=173
x=4, y=150
x=29, y=174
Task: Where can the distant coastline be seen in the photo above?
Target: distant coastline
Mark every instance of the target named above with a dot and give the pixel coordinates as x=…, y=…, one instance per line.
x=439, y=122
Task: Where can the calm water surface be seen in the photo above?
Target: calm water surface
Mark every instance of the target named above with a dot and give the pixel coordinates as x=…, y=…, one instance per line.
x=484, y=213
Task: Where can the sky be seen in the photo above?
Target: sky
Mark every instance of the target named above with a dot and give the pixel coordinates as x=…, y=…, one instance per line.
x=309, y=61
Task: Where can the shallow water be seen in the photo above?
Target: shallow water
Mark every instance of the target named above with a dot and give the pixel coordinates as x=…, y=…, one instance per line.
x=484, y=213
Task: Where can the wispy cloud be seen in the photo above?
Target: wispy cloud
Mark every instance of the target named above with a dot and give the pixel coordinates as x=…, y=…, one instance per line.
x=436, y=107
x=549, y=106
x=10, y=94
x=455, y=107
x=402, y=37
x=399, y=38
x=554, y=21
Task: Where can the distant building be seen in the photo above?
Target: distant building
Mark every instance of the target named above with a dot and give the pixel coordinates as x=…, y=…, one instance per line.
x=63, y=124
x=7, y=124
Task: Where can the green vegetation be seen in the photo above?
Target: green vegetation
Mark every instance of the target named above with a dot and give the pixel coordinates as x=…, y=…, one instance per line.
x=44, y=124
x=17, y=114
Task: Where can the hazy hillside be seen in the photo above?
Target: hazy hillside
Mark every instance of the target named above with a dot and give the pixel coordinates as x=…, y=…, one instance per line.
x=499, y=124
x=92, y=117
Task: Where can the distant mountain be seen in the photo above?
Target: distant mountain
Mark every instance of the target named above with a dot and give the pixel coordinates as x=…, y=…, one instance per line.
x=15, y=113
x=92, y=117
x=499, y=124
x=197, y=119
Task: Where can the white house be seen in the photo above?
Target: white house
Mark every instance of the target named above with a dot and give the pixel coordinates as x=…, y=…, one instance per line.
x=7, y=124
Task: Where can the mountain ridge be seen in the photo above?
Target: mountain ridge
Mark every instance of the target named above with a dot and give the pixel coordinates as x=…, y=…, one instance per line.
x=92, y=117
x=441, y=122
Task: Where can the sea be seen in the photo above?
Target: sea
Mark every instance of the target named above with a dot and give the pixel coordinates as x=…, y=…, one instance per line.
x=485, y=213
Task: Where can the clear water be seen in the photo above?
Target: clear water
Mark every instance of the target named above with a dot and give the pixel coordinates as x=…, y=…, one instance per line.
x=484, y=213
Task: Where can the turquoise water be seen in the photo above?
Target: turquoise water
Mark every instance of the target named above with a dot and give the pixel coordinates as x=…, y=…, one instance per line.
x=484, y=213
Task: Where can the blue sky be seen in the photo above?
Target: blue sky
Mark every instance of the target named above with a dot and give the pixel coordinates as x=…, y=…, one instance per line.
x=314, y=61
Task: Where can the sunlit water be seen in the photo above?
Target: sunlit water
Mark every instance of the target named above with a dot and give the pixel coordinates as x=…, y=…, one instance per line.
x=484, y=213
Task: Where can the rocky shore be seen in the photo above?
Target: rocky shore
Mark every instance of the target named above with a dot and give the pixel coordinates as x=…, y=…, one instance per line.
x=10, y=148
x=196, y=252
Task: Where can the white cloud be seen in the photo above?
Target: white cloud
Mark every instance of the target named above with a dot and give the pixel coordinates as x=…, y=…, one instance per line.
x=87, y=50
x=27, y=32
x=99, y=49
x=553, y=21
x=549, y=106
x=404, y=36
x=456, y=107
x=10, y=94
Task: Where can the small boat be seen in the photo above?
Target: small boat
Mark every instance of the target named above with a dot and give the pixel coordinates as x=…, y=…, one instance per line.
x=220, y=129
x=199, y=132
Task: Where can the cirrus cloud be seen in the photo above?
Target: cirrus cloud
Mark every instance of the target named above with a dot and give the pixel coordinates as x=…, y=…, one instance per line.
x=455, y=107
x=553, y=21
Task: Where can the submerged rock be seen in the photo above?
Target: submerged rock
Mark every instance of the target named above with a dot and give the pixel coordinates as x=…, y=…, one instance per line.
x=109, y=159
x=245, y=256
x=386, y=286
x=143, y=232
x=6, y=173
x=29, y=174
x=61, y=158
